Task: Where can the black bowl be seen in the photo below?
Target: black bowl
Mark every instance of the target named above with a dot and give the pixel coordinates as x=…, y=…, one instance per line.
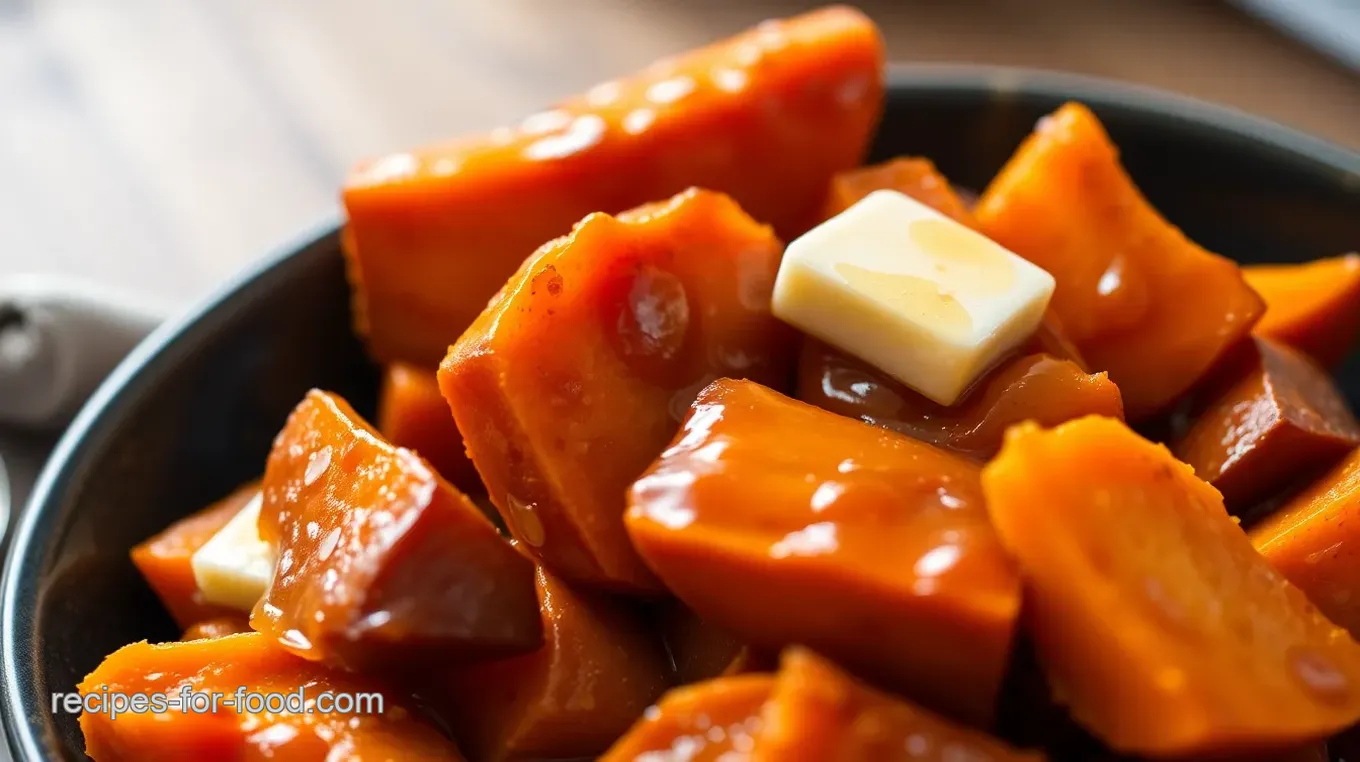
x=192, y=412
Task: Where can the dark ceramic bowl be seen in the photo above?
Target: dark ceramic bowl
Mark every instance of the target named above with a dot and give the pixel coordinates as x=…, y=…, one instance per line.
x=192, y=412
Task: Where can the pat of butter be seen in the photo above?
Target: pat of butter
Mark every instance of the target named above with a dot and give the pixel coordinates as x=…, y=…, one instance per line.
x=929, y=301
x=235, y=566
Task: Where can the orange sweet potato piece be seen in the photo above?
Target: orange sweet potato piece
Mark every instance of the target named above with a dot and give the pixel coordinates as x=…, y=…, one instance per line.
x=217, y=627
x=1156, y=620
x=230, y=733
x=379, y=558
x=575, y=377
x=413, y=414
x=914, y=177
x=782, y=523
x=598, y=669
x=1314, y=541
x=1313, y=307
x=682, y=725
x=698, y=649
x=767, y=116
x=1138, y=298
x=1029, y=387
x=164, y=560
x=817, y=712
x=1282, y=419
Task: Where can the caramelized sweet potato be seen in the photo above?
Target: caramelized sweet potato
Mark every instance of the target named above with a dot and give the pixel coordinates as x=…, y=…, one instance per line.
x=1138, y=298
x=714, y=721
x=817, y=712
x=1030, y=387
x=165, y=560
x=698, y=650
x=379, y=558
x=914, y=177
x=413, y=414
x=1284, y=418
x=217, y=627
x=598, y=669
x=1314, y=541
x=378, y=727
x=1157, y=622
x=575, y=377
x=767, y=116
x=786, y=524
x=1313, y=307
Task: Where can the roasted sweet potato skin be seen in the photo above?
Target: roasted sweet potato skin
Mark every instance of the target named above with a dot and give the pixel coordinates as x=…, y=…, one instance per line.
x=599, y=667
x=379, y=559
x=767, y=116
x=1036, y=387
x=1313, y=307
x=882, y=540
x=1156, y=620
x=682, y=723
x=247, y=662
x=1139, y=299
x=656, y=303
x=165, y=560
x=1281, y=421
x=413, y=414
x=1314, y=541
x=818, y=712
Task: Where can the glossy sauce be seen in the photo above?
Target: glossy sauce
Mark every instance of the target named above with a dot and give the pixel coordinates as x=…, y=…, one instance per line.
x=714, y=721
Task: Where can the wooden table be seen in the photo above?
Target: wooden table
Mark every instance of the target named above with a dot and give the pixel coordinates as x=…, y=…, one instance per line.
x=159, y=145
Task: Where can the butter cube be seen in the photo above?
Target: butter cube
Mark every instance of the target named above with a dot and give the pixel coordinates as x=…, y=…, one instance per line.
x=235, y=566
x=895, y=283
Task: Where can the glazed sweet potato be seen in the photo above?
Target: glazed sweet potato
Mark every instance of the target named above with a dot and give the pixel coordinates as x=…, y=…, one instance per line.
x=379, y=559
x=1138, y=298
x=914, y=177
x=165, y=560
x=1160, y=626
x=217, y=627
x=1313, y=307
x=598, y=669
x=817, y=712
x=698, y=650
x=767, y=116
x=1314, y=541
x=377, y=727
x=1284, y=419
x=575, y=377
x=714, y=721
x=785, y=524
x=413, y=414
x=1036, y=387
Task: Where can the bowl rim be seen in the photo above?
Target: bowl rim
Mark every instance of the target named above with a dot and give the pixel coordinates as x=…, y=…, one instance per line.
x=23, y=733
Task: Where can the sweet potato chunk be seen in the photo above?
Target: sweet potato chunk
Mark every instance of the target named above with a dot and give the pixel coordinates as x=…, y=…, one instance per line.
x=1313, y=307
x=413, y=414
x=379, y=558
x=1139, y=299
x=817, y=712
x=376, y=727
x=575, y=377
x=682, y=725
x=217, y=627
x=1156, y=621
x=1283, y=419
x=598, y=669
x=1030, y=387
x=165, y=560
x=698, y=649
x=767, y=116
x=782, y=523
x=914, y=177
x=1313, y=540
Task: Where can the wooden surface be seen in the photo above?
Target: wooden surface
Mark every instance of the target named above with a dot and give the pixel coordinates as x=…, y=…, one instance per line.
x=159, y=145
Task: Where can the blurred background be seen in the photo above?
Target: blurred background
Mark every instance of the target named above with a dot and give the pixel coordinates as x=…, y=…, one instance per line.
x=160, y=145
